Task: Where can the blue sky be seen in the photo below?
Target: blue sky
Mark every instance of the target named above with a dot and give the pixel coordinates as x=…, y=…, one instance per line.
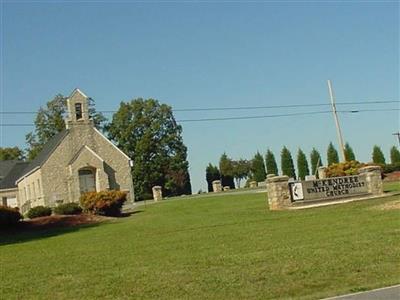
x=203, y=54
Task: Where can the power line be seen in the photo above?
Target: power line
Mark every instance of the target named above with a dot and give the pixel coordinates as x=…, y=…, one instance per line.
x=239, y=107
x=249, y=117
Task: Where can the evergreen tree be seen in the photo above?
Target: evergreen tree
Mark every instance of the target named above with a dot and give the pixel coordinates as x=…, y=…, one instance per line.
x=349, y=153
x=148, y=133
x=332, y=155
x=287, y=165
x=212, y=173
x=258, y=168
x=226, y=169
x=302, y=165
x=394, y=155
x=272, y=167
x=316, y=161
x=377, y=155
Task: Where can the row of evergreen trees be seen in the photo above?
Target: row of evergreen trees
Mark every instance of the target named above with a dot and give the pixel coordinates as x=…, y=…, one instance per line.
x=257, y=169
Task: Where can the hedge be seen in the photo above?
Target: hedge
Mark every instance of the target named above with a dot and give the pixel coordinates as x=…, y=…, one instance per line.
x=106, y=203
x=68, y=209
x=9, y=216
x=39, y=211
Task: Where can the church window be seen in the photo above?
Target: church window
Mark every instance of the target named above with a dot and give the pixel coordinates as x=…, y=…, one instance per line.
x=78, y=111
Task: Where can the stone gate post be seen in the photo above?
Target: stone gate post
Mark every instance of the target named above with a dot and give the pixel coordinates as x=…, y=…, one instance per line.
x=373, y=178
x=157, y=193
x=217, y=187
x=278, y=192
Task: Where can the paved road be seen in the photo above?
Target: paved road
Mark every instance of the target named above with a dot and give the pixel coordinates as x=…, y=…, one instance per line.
x=388, y=293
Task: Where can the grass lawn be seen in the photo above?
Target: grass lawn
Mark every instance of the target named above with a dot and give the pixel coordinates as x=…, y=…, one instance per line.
x=227, y=247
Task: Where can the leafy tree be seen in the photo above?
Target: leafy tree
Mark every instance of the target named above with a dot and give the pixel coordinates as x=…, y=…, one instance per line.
x=272, y=167
x=226, y=169
x=11, y=153
x=377, y=155
x=394, y=155
x=316, y=161
x=349, y=153
x=302, y=165
x=147, y=132
x=212, y=173
x=50, y=120
x=332, y=155
x=287, y=165
x=241, y=170
x=258, y=168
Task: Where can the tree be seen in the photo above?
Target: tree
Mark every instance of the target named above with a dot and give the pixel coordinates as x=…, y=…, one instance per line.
x=332, y=155
x=349, y=153
x=148, y=133
x=11, y=153
x=287, y=165
x=302, y=165
x=272, y=167
x=226, y=169
x=394, y=155
x=50, y=120
x=212, y=173
x=316, y=161
x=258, y=168
x=241, y=170
x=377, y=155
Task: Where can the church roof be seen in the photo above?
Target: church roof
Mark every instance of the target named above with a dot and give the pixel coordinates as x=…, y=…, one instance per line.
x=47, y=150
x=13, y=174
x=6, y=166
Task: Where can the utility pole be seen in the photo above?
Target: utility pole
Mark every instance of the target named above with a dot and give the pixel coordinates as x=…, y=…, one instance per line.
x=338, y=130
x=398, y=136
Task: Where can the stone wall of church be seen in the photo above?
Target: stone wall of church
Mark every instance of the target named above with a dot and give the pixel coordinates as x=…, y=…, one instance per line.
x=62, y=180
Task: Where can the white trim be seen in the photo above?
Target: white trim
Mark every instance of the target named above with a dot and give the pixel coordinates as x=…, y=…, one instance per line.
x=27, y=174
x=126, y=156
x=81, y=150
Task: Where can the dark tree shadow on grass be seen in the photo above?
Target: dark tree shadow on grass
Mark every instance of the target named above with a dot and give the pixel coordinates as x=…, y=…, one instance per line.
x=26, y=231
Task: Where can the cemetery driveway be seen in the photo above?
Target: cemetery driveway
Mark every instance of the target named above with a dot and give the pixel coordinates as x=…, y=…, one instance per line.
x=387, y=293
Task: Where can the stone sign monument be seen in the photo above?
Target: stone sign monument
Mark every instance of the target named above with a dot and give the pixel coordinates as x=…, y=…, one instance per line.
x=282, y=194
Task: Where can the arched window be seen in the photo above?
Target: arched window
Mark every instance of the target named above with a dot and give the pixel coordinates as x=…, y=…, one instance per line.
x=87, y=180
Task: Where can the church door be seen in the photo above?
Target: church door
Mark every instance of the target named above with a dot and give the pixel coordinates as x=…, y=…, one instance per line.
x=87, y=180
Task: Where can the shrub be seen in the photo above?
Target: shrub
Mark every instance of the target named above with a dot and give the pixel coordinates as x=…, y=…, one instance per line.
x=344, y=169
x=106, y=203
x=389, y=168
x=39, y=211
x=68, y=209
x=9, y=216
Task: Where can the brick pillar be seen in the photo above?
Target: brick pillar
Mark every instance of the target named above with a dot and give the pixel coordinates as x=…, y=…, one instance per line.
x=157, y=193
x=373, y=178
x=278, y=192
x=217, y=187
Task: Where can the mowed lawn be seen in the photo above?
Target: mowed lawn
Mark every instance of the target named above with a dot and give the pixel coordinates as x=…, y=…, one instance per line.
x=226, y=247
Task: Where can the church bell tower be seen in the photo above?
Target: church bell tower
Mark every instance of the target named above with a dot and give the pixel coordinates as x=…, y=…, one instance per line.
x=78, y=109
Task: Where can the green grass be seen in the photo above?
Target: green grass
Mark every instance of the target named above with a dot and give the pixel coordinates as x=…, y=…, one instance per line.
x=227, y=247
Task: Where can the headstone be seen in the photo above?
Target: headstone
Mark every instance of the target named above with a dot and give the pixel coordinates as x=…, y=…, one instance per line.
x=157, y=193
x=253, y=184
x=227, y=188
x=217, y=187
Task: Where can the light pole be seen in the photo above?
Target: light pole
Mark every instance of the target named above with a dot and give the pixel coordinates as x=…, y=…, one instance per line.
x=338, y=130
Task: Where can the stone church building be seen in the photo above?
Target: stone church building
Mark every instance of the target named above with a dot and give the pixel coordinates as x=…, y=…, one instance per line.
x=77, y=160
